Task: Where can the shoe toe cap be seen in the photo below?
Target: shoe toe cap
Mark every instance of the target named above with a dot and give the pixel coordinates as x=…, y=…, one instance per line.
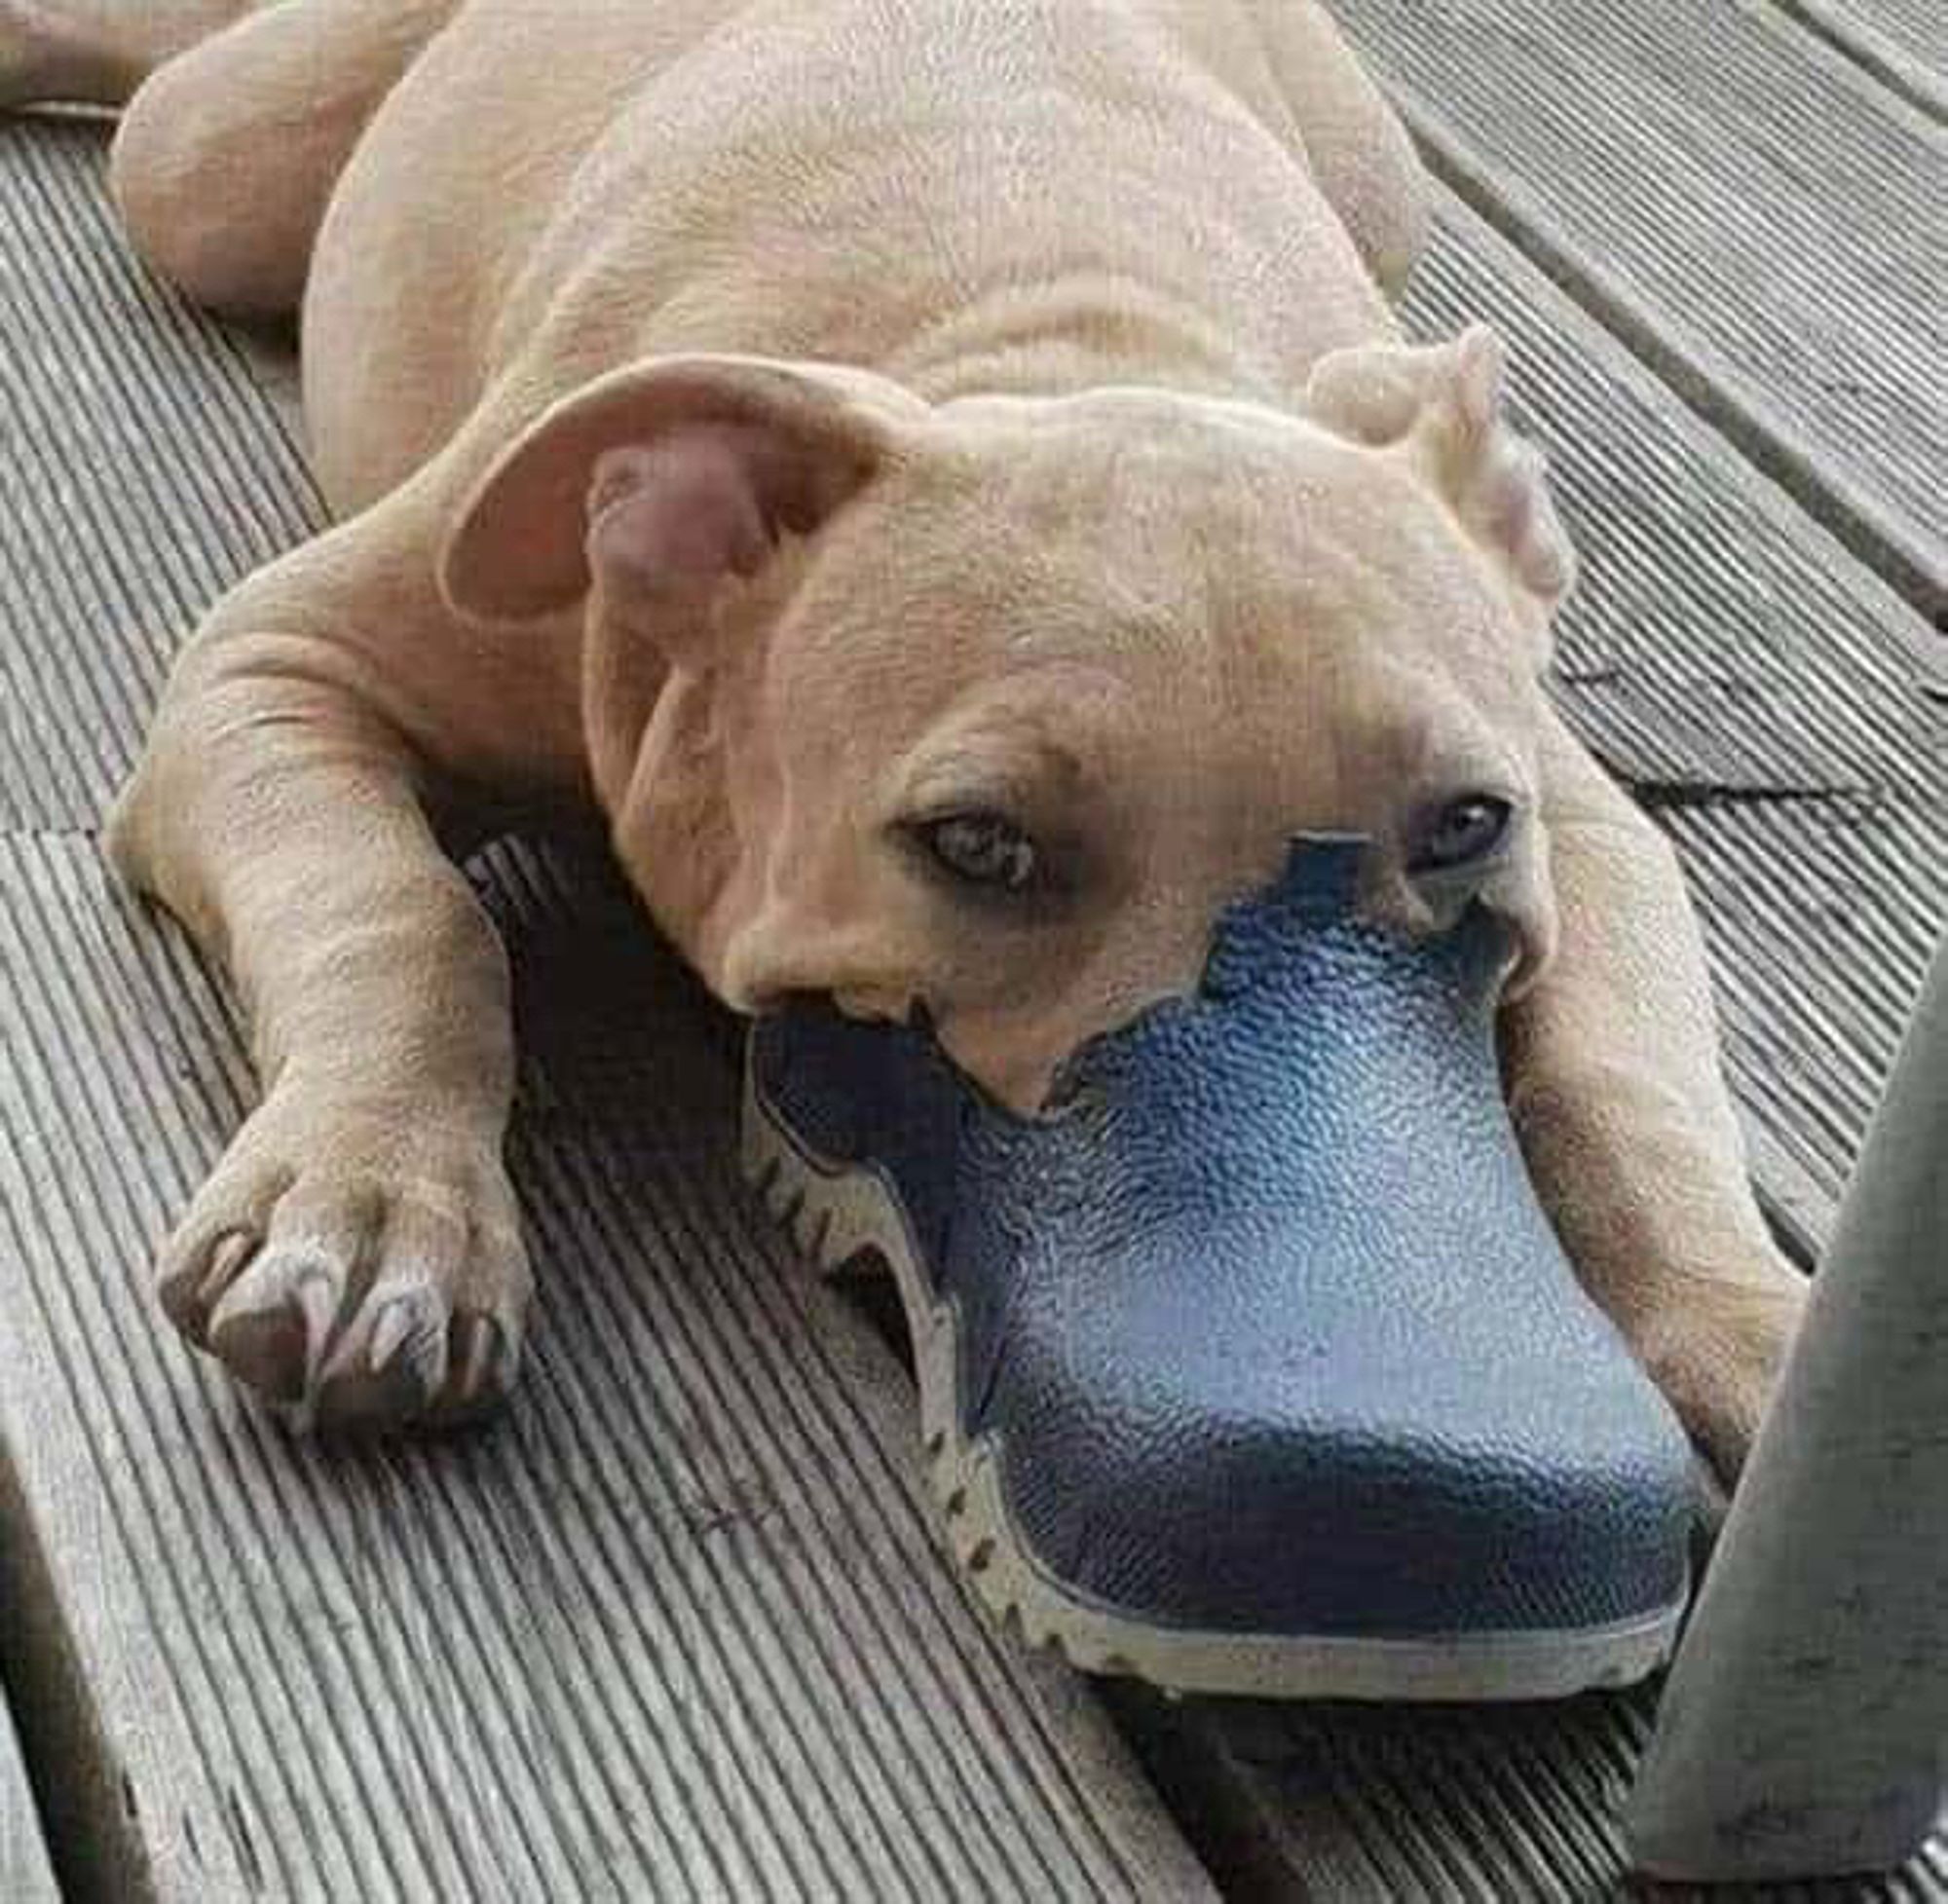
x=1374, y=1474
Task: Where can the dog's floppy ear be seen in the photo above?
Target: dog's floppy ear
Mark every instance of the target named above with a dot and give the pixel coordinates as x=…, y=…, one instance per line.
x=1442, y=403
x=666, y=476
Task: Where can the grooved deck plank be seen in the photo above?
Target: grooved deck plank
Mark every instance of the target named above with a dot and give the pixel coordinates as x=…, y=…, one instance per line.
x=673, y=1628
x=26, y=1876
x=1902, y=42
x=144, y=473
x=1446, y=1805
x=1920, y=26
x=1772, y=238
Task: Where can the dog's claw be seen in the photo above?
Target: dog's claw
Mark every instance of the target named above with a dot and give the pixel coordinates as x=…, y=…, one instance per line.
x=482, y=1341
x=194, y=1290
x=272, y=1323
x=397, y=1322
x=485, y=1361
x=349, y=1291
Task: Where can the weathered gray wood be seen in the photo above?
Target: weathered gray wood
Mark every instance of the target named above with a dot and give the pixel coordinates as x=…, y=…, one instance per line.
x=676, y=1627
x=1753, y=212
x=1919, y=25
x=26, y=1876
x=144, y=473
x=1902, y=43
x=1508, y=1805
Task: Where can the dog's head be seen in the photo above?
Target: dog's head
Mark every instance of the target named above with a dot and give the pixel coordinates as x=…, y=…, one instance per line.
x=991, y=707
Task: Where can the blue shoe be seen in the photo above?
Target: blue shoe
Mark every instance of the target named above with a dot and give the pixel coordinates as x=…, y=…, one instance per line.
x=1252, y=1365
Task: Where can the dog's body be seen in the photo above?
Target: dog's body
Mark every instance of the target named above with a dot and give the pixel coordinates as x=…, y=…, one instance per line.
x=772, y=422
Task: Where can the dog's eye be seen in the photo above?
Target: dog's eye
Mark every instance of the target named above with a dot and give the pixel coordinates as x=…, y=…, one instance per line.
x=982, y=849
x=1463, y=830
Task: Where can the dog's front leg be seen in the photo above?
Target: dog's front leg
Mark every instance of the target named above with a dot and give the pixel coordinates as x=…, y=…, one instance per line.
x=356, y=1253
x=1614, y=1081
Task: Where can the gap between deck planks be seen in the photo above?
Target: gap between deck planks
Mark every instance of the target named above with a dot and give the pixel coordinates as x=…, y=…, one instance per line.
x=1902, y=43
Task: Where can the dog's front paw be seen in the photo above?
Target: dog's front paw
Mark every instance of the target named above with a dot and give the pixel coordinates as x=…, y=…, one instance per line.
x=1717, y=1353
x=357, y=1269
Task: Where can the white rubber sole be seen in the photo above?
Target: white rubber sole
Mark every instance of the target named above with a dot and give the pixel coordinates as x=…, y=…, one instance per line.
x=836, y=1212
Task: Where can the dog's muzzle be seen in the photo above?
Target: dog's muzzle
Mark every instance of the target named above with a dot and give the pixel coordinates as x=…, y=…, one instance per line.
x=1258, y=1346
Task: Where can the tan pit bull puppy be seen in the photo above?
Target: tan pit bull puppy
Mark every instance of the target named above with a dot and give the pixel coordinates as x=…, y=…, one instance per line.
x=944, y=481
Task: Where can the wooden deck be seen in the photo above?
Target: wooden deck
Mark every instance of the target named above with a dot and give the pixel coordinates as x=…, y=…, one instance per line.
x=676, y=1628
